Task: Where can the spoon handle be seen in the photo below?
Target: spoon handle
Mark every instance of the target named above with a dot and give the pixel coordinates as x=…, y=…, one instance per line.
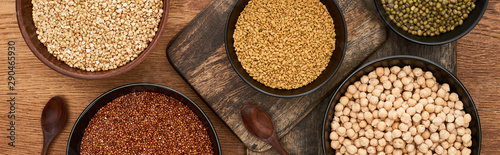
x=274, y=141
x=47, y=139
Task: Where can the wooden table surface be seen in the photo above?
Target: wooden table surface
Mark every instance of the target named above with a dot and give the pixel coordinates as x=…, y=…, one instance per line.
x=477, y=68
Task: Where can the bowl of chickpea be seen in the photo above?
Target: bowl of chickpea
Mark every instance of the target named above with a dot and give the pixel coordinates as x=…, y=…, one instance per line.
x=401, y=105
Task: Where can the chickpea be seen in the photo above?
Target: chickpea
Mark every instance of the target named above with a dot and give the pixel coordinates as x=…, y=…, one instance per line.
x=452, y=138
x=388, y=136
x=459, y=105
x=438, y=109
x=410, y=147
x=392, y=115
x=362, y=152
x=437, y=121
x=373, y=82
x=430, y=83
x=466, y=138
x=466, y=151
x=421, y=81
x=372, y=75
x=381, y=126
x=424, y=93
x=406, y=136
x=406, y=118
x=416, y=118
x=439, y=150
x=413, y=130
x=453, y=97
x=363, y=87
x=445, y=145
x=379, y=134
x=452, y=150
x=334, y=136
x=373, y=142
x=371, y=150
x=375, y=115
x=374, y=100
x=357, y=143
x=411, y=102
x=403, y=127
x=389, y=149
x=393, y=77
x=379, y=71
x=433, y=128
x=351, y=134
x=419, y=107
x=335, y=144
x=423, y=148
x=382, y=142
x=467, y=118
x=457, y=145
x=347, y=142
x=426, y=134
x=402, y=74
x=460, y=121
x=341, y=131
x=400, y=111
x=351, y=149
x=395, y=69
x=418, y=72
x=409, y=87
x=364, y=79
x=369, y=133
x=429, y=108
x=411, y=111
x=399, y=143
x=435, y=137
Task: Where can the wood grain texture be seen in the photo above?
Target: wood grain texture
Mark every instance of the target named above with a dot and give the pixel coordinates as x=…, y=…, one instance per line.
x=198, y=53
x=479, y=70
x=37, y=83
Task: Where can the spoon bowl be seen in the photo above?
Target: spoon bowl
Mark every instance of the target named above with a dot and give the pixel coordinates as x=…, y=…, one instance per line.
x=53, y=119
x=260, y=124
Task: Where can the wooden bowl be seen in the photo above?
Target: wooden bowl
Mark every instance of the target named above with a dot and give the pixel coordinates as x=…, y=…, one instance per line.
x=442, y=76
x=459, y=31
x=24, y=9
x=327, y=74
x=75, y=138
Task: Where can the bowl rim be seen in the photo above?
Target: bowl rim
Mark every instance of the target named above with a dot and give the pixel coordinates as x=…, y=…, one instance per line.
x=460, y=85
x=387, y=21
x=111, y=73
x=294, y=95
x=144, y=84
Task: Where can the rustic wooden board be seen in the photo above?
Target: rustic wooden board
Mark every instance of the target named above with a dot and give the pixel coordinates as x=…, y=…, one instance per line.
x=199, y=55
x=37, y=83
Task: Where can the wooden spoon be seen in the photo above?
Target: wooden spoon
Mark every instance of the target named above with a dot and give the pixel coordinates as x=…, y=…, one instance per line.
x=53, y=119
x=260, y=124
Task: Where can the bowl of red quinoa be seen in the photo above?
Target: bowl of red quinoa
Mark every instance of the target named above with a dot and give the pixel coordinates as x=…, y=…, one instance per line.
x=91, y=40
x=143, y=118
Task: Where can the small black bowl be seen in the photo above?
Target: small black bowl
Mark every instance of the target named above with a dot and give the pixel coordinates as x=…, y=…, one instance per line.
x=81, y=123
x=334, y=64
x=442, y=75
x=459, y=31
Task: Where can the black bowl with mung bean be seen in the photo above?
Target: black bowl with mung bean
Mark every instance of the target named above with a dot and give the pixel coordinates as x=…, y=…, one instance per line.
x=435, y=75
x=431, y=22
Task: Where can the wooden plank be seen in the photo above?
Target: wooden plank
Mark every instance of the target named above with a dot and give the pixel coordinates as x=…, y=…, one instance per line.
x=479, y=70
x=198, y=53
x=37, y=83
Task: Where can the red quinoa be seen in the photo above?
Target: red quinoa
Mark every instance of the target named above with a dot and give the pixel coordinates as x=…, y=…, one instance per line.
x=145, y=123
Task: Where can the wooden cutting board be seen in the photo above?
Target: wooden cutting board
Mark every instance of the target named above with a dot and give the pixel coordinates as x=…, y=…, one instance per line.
x=198, y=54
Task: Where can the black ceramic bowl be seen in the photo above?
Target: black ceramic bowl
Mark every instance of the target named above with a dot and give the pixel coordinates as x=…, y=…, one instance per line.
x=469, y=23
x=81, y=123
x=442, y=75
x=335, y=60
